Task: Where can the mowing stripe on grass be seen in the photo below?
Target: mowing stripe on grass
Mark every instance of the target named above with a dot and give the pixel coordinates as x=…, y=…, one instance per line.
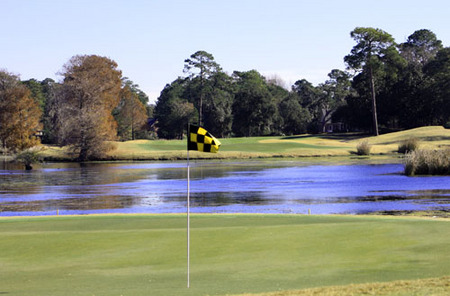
x=230, y=254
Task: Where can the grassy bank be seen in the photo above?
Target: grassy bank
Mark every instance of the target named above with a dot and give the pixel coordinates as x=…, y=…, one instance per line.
x=434, y=286
x=230, y=254
x=324, y=145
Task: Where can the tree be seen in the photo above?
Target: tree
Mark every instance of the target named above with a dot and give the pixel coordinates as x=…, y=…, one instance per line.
x=134, y=88
x=438, y=88
x=308, y=94
x=173, y=111
x=309, y=97
x=91, y=91
x=333, y=94
x=412, y=90
x=279, y=93
x=53, y=102
x=218, y=104
x=37, y=91
x=295, y=118
x=131, y=115
x=367, y=55
x=421, y=47
x=201, y=65
x=253, y=108
x=19, y=114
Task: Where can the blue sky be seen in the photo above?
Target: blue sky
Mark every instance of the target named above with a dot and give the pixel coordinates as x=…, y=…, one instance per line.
x=303, y=39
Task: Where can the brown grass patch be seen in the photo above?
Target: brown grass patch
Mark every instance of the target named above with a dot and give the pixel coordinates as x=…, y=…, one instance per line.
x=433, y=286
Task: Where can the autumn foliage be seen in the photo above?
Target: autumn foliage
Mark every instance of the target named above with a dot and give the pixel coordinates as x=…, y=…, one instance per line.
x=91, y=91
x=131, y=115
x=19, y=114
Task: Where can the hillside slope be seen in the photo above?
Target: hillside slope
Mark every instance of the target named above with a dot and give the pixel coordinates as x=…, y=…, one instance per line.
x=433, y=137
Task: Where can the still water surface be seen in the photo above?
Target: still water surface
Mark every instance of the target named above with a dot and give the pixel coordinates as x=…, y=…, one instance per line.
x=220, y=187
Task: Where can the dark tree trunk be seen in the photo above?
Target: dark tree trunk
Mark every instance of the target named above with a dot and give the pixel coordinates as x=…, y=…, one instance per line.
x=374, y=104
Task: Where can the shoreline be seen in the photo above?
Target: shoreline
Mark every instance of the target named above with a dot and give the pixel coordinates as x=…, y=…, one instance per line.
x=397, y=215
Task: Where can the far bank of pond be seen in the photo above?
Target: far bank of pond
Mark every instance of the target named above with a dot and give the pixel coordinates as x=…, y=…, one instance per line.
x=301, y=186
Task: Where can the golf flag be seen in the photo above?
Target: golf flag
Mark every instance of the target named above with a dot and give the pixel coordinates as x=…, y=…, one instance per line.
x=201, y=140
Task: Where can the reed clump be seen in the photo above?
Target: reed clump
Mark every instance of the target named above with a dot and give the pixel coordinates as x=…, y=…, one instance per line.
x=408, y=145
x=363, y=148
x=428, y=162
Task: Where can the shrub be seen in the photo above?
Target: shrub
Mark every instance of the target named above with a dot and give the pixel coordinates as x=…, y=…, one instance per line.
x=428, y=162
x=447, y=125
x=363, y=148
x=408, y=145
x=29, y=157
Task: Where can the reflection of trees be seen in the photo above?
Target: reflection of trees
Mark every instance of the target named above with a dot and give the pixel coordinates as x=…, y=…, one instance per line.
x=209, y=199
x=74, y=186
x=83, y=204
x=22, y=183
x=211, y=170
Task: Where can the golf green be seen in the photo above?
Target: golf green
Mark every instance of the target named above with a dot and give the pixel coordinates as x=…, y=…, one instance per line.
x=230, y=254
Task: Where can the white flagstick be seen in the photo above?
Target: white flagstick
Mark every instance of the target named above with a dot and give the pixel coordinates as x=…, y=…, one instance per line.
x=188, y=222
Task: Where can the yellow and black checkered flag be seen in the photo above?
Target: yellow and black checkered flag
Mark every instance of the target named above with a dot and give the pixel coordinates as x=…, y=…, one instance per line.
x=201, y=140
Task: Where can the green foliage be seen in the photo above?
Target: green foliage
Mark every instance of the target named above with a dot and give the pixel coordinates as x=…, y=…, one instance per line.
x=202, y=66
x=217, y=104
x=51, y=91
x=406, y=83
x=373, y=55
x=416, y=98
x=438, y=88
x=420, y=47
x=295, y=118
x=333, y=94
x=394, y=87
x=172, y=111
x=37, y=92
x=253, y=109
x=28, y=157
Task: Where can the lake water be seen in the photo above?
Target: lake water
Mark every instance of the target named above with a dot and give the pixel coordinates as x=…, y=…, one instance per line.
x=217, y=187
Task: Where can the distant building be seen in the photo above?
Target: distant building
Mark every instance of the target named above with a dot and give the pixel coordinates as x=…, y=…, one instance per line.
x=336, y=127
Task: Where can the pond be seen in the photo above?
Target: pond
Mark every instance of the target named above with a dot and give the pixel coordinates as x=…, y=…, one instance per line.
x=217, y=187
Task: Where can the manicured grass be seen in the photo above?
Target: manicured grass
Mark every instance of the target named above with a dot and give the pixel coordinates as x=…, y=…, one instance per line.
x=322, y=145
x=230, y=254
x=429, y=137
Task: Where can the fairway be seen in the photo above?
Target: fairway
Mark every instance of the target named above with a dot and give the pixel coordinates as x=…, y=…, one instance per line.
x=321, y=145
x=230, y=254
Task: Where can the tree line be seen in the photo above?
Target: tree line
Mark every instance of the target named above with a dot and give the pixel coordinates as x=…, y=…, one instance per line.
x=385, y=86
x=92, y=105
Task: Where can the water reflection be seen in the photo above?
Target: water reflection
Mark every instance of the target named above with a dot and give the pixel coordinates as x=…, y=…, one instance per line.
x=251, y=186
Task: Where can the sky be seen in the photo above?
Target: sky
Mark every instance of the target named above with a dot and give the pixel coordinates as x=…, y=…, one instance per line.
x=149, y=40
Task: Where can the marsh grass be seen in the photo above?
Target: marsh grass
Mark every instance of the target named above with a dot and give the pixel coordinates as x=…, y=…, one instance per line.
x=433, y=286
x=428, y=162
x=408, y=145
x=363, y=148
